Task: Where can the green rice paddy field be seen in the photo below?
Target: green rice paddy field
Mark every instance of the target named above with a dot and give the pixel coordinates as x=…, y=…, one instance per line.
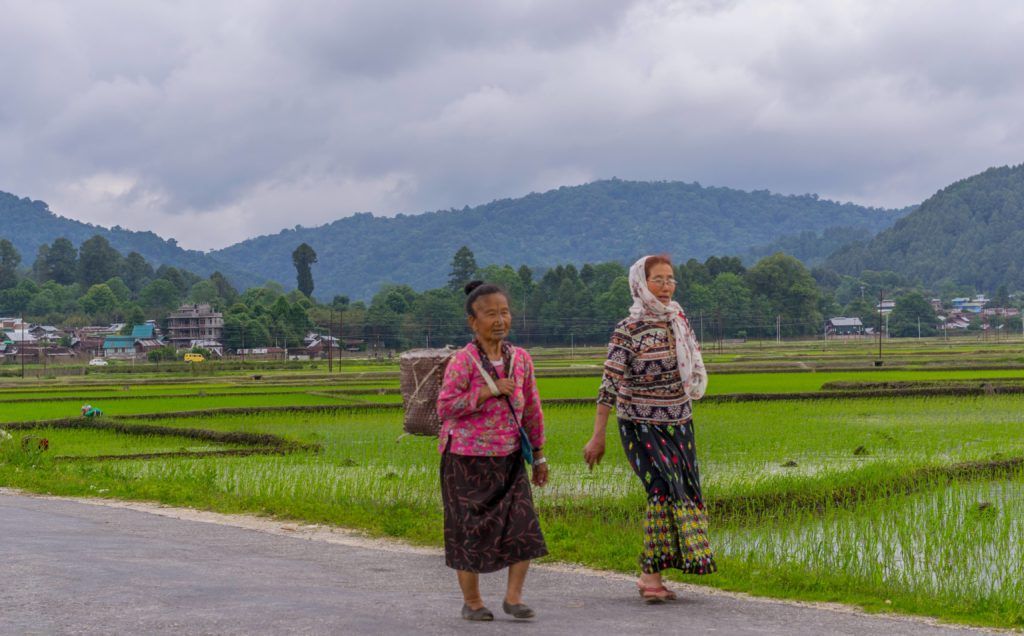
x=897, y=503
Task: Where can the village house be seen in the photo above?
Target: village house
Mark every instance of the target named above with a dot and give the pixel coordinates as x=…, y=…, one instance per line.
x=119, y=347
x=844, y=327
x=354, y=344
x=46, y=334
x=215, y=347
x=10, y=323
x=196, y=323
x=262, y=353
x=955, y=320
x=137, y=344
x=973, y=305
x=21, y=336
x=88, y=341
x=1004, y=312
x=886, y=306
x=317, y=346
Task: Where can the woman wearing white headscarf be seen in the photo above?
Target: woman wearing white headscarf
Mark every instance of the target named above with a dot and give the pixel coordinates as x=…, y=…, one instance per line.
x=653, y=373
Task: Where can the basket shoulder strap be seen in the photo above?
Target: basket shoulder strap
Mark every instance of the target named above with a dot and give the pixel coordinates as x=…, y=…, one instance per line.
x=487, y=376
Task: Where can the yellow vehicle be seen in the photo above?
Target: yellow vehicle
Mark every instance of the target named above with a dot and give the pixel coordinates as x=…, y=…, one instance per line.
x=194, y=357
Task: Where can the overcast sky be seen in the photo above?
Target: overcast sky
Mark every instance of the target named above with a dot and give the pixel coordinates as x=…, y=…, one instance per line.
x=211, y=122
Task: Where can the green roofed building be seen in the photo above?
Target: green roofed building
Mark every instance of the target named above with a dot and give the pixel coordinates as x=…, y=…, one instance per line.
x=119, y=347
x=144, y=332
x=142, y=340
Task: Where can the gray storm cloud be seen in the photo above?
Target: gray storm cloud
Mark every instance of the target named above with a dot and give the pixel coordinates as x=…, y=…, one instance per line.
x=250, y=117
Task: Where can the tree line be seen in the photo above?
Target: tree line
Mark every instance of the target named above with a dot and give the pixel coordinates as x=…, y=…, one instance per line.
x=561, y=305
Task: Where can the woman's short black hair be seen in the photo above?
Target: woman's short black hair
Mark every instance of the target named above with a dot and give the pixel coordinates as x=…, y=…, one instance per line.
x=477, y=289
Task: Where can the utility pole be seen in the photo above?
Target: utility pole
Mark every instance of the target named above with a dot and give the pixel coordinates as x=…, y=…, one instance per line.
x=918, y=327
x=702, y=327
x=330, y=344
x=878, y=362
x=524, y=309
x=778, y=329
x=21, y=346
x=721, y=334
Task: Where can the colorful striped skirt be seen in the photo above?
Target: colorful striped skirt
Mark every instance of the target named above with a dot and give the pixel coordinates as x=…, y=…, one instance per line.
x=664, y=457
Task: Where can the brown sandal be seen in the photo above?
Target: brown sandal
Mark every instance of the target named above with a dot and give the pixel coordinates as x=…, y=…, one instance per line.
x=652, y=595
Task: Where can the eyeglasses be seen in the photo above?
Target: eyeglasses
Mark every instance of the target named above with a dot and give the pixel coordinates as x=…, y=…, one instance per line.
x=661, y=281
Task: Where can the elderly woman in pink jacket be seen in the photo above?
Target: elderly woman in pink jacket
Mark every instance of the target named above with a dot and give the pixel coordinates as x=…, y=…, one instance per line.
x=491, y=424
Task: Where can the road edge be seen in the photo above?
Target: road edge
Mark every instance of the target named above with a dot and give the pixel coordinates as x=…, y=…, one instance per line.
x=357, y=539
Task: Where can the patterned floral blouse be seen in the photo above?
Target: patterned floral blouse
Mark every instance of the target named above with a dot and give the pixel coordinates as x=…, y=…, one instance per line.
x=641, y=375
x=487, y=429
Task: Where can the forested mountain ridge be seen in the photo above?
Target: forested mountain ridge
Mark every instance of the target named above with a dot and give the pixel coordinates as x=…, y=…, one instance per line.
x=29, y=224
x=970, y=233
x=601, y=221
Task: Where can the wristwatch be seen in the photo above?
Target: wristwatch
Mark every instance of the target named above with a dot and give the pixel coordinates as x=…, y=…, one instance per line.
x=540, y=461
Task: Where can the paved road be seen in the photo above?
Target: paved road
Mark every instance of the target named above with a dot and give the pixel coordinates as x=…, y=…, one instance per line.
x=68, y=567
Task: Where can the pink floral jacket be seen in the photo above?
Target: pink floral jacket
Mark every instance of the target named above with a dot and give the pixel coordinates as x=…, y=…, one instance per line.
x=487, y=429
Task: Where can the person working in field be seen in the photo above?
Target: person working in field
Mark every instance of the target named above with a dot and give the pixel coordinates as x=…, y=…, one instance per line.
x=653, y=373
x=491, y=422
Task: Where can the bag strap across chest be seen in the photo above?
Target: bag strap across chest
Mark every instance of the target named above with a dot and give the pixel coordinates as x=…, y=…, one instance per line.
x=487, y=376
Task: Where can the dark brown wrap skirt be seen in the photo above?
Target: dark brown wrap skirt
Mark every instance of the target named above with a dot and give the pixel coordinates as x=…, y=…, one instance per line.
x=489, y=520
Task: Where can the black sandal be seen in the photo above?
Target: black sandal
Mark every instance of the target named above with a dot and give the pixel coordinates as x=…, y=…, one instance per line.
x=518, y=610
x=481, y=614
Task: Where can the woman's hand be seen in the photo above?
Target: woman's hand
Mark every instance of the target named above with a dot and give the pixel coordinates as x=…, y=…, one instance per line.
x=593, y=452
x=505, y=386
x=540, y=475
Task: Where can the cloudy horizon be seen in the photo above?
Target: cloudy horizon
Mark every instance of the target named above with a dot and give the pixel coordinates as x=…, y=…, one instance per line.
x=253, y=117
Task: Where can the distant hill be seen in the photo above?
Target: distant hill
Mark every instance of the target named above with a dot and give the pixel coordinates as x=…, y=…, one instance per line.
x=813, y=248
x=969, y=233
x=28, y=224
x=601, y=221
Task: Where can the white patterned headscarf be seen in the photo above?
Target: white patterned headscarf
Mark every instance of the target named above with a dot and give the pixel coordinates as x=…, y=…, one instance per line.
x=647, y=307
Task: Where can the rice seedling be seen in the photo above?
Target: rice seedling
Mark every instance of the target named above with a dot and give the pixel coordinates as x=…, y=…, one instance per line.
x=961, y=546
